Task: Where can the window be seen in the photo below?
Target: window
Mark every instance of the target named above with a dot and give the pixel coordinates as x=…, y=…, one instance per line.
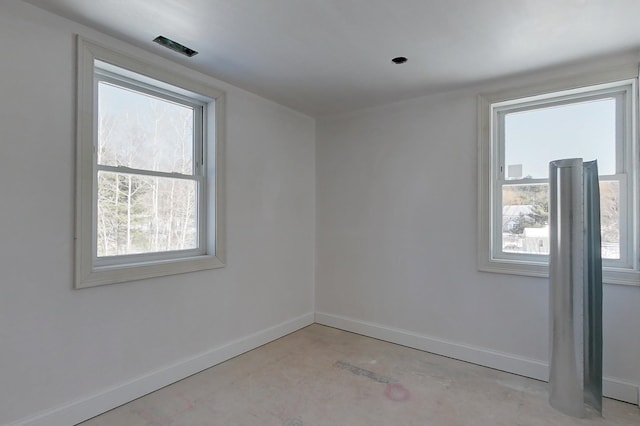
x=519, y=135
x=149, y=170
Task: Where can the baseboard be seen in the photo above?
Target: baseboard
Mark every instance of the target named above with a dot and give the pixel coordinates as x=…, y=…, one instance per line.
x=85, y=408
x=612, y=387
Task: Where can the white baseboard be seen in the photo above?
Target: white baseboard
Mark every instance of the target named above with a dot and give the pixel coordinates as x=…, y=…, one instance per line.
x=612, y=387
x=85, y=408
x=619, y=389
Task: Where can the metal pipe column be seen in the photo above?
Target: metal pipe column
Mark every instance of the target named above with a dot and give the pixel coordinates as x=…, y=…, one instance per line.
x=575, y=296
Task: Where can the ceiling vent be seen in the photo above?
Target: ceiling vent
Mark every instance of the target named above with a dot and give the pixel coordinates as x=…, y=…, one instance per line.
x=175, y=46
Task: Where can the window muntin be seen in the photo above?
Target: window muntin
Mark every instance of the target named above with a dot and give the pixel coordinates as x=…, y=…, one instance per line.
x=530, y=134
x=121, y=192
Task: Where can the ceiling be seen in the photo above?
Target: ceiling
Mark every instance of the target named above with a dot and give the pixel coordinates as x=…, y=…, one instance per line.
x=330, y=56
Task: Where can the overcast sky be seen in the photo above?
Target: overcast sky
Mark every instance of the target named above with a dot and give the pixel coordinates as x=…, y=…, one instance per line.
x=583, y=130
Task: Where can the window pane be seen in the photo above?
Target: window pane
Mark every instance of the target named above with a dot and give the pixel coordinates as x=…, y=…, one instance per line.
x=525, y=219
x=535, y=137
x=145, y=214
x=610, y=219
x=143, y=132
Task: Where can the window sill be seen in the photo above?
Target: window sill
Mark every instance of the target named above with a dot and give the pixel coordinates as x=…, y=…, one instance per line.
x=615, y=276
x=138, y=271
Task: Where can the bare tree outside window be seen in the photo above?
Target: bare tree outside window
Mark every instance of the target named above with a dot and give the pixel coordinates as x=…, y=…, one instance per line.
x=140, y=213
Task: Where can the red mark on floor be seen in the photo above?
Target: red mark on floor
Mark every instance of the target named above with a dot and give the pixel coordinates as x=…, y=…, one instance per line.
x=396, y=392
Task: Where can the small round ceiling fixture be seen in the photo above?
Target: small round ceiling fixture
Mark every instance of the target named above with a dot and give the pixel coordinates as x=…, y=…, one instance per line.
x=399, y=60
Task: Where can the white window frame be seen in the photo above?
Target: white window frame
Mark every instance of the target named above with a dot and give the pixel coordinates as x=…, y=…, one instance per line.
x=491, y=109
x=99, y=63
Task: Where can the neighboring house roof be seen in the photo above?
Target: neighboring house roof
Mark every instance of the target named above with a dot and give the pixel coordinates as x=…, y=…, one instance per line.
x=517, y=210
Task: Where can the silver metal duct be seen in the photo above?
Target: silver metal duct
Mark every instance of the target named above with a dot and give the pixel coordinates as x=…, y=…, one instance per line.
x=575, y=275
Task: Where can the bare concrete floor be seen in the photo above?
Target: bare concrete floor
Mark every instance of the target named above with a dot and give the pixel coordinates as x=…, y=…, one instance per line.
x=324, y=376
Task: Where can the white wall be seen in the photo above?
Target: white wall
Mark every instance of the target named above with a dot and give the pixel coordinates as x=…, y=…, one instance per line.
x=396, y=242
x=396, y=230
x=62, y=346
